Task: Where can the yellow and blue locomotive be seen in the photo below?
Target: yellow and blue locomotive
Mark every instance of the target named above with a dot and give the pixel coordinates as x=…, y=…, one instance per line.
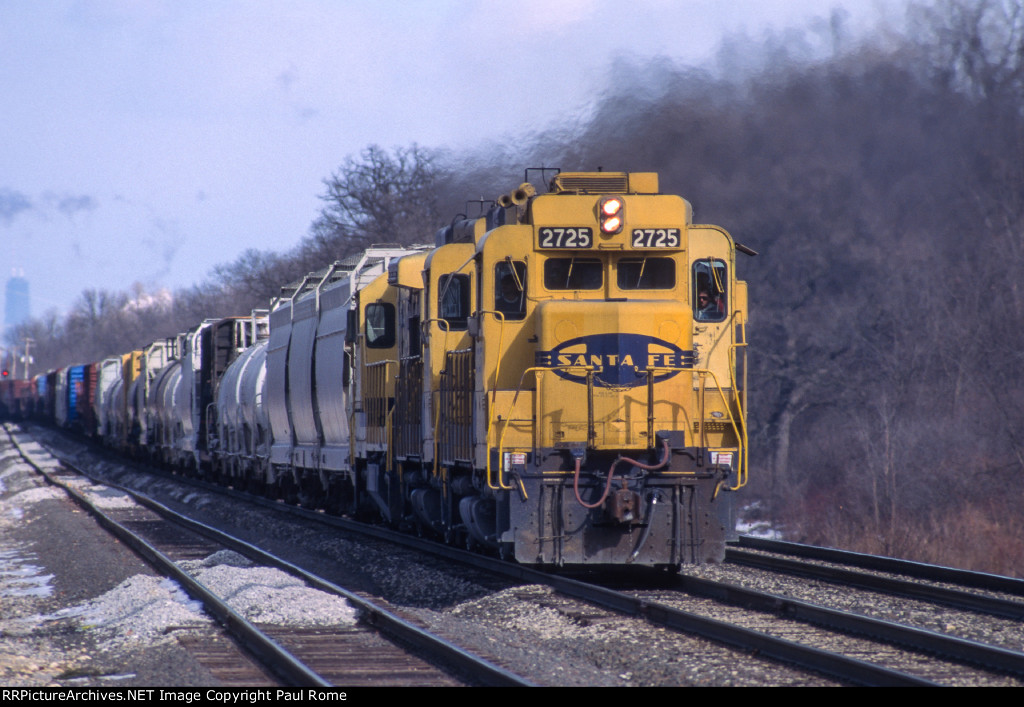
x=561, y=380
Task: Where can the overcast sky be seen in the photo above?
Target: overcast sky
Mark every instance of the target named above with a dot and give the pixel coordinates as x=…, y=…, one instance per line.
x=148, y=140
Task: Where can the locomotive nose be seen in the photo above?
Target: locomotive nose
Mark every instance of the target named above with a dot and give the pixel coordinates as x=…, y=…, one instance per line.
x=602, y=388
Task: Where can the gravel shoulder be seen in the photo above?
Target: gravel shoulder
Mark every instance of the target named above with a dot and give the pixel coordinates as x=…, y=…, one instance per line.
x=73, y=598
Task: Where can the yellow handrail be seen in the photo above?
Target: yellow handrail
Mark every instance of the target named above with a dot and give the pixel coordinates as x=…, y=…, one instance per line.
x=389, y=454
x=740, y=436
x=741, y=479
x=511, y=407
x=739, y=428
x=500, y=316
x=435, y=391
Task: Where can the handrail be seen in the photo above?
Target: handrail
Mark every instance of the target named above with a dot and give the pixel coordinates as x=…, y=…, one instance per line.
x=511, y=407
x=500, y=316
x=738, y=428
x=434, y=390
x=741, y=403
x=740, y=436
x=497, y=481
x=211, y=434
x=389, y=455
x=352, y=439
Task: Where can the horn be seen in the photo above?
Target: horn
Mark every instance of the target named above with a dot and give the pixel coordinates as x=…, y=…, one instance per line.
x=523, y=193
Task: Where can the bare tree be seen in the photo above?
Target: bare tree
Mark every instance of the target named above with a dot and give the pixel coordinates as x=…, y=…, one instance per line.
x=379, y=198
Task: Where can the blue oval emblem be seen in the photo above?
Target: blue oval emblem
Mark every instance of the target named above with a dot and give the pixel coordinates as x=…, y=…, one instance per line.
x=619, y=360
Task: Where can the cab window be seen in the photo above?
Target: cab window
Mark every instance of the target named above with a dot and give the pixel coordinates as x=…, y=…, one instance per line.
x=380, y=325
x=646, y=274
x=510, y=289
x=453, y=301
x=573, y=274
x=710, y=296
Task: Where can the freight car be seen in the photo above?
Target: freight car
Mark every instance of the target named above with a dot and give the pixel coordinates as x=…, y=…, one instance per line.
x=561, y=381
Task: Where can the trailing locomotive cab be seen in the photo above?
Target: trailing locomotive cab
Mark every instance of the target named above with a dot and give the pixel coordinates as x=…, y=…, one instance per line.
x=581, y=404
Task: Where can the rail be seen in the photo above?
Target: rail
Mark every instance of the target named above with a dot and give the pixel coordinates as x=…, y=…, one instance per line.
x=436, y=650
x=458, y=438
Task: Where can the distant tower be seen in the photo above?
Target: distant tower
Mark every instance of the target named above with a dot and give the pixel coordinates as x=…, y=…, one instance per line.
x=16, y=306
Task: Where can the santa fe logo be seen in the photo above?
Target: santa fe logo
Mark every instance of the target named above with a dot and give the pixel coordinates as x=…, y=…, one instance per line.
x=618, y=360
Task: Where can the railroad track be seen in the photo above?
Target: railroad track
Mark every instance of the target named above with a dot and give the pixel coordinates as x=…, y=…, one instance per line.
x=889, y=575
x=383, y=649
x=823, y=640
x=931, y=655
x=933, y=573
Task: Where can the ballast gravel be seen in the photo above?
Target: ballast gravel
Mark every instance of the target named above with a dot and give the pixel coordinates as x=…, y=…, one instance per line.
x=139, y=611
x=64, y=626
x=267, y=595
